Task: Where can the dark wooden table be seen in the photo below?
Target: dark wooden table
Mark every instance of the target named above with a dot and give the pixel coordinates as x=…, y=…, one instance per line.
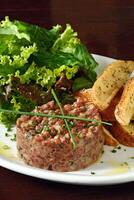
x=107, y=28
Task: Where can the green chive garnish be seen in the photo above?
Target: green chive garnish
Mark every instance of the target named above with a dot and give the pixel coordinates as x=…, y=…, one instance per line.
x=65, y=120
x=55, y=116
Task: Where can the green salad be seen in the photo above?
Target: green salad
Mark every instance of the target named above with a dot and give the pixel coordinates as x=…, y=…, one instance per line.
x=33, y=60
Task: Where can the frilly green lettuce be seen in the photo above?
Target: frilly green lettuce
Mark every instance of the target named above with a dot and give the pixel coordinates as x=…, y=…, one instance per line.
x=69, y=43
x=44, y=76
x=39, y=56
x=9, y=28
x=9, y=64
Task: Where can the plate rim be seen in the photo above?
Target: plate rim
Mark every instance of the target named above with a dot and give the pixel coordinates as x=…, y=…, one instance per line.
x=66, y=177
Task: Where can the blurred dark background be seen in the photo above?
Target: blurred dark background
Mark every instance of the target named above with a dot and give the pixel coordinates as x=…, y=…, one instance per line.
x=105, y=26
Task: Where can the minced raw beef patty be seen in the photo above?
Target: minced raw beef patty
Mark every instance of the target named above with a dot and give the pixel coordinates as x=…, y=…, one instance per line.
x=46, y=143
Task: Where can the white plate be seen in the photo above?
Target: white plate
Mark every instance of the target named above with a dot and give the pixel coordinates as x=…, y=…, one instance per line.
x=112, y=168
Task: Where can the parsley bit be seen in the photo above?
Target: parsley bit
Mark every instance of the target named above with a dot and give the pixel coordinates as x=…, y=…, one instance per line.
x=93, y=173
x=7, y=134
x=113, y=151
x=119, y=147
x=71, y=124
x=46, y=128
x=132, y=157
x=14, y=138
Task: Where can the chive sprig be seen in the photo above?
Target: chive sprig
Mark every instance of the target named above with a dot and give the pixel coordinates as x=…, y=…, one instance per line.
x=54, y=116
x=65, y=120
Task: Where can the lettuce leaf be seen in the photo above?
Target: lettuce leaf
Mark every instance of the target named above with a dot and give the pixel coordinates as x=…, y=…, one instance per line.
x=69, y=43
x=50, y=48
x=54, y=59
x=17, y=102
x=80, y=83
x=9, y=64
x=40, y=56
x=42, y=37
x=44, y=76
x=9, y=28
x=11, y=45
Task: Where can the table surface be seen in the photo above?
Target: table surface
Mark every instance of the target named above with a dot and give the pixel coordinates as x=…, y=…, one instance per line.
x=107, y=28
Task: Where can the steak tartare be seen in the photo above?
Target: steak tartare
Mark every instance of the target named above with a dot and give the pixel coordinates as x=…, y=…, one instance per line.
x=46, y=143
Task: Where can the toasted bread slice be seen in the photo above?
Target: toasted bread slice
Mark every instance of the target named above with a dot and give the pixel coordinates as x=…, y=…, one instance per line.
x=109, y=139
x=109, y=83
x=125, y=108
x=124, y=134
x=108, y=113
